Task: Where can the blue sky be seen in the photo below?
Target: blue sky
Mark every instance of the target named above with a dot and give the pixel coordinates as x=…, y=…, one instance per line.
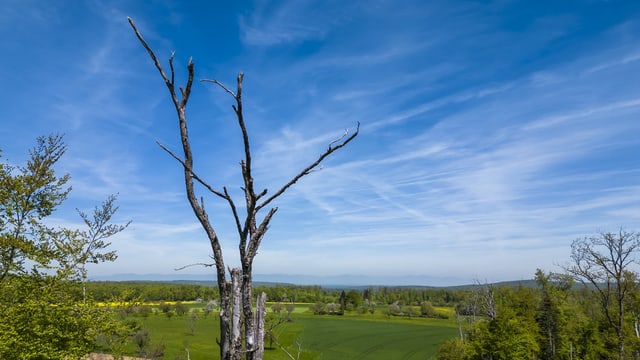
x=493, y=132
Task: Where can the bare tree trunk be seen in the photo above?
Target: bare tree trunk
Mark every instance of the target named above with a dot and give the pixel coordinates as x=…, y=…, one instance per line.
x=261, y=313
x=225, y=323
x=247, y=310
x=236, y=325
x=459, y=326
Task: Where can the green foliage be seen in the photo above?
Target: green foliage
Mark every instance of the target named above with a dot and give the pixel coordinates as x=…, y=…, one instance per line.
x=45, y=312
x=511, y=332
x=454, y=349
x=427, y=309
x=277, y=307
x=150, y=291
x=180, y=309
x=29, y=194
x=553, y=315
x=353, y=298
x=556, y=320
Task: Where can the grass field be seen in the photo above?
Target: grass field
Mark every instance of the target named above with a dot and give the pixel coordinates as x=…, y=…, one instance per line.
x=352, y=336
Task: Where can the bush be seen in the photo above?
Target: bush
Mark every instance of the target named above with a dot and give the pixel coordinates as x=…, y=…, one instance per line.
x=181, y=308
x=317, y=308
x=142, y=310
x=164, y=307
x=454, y=349
x=277, y=307
x=394, y=309
x=427, y=309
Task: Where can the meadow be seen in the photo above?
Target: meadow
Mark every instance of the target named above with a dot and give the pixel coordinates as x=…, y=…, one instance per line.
x=349, y=336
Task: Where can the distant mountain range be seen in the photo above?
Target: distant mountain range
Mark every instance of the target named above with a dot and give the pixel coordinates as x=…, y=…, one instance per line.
x=333, y=281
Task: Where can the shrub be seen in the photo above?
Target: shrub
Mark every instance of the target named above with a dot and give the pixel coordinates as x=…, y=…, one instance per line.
x=181, y=308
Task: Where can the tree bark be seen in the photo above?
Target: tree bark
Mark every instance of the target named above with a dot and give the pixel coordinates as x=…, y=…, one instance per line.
x=236, y=325
x=247, y=310
x=260, y=315
x=225, y=322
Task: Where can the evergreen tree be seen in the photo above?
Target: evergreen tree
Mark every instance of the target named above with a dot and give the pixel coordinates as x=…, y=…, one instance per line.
x=551, y=315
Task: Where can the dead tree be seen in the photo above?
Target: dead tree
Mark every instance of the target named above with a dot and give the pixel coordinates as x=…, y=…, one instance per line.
x=237, y=293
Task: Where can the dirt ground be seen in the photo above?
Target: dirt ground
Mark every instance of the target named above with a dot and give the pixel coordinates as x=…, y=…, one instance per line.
x=96, y=356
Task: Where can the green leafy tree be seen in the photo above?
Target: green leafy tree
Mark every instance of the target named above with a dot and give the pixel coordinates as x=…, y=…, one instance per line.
x=603, y=262
x=181, y=308
x=354, y=298
x=585, y=329
x=277, y=307
x=506, y=331
x=29, y=194
x=512, y=333
x=81, y=247
x=43, y=315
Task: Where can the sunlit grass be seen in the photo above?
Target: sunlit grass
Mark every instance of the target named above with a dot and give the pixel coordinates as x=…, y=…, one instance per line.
x=350, y=336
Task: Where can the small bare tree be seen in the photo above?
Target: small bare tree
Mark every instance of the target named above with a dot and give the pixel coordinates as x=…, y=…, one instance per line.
x=236, y=312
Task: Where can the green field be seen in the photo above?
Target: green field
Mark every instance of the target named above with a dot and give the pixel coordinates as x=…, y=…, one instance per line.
x=352, y=336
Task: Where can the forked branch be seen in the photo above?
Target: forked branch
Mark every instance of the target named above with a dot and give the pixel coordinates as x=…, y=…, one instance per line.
x=341, y=142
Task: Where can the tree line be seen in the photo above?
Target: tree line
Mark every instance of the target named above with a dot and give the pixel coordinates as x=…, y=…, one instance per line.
x=155, y=291
x=149, y=291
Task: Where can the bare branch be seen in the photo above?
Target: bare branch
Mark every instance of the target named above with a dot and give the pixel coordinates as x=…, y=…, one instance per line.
x=168, y=82
x=173, y=72
x=195, y=264
x=224, y=87
x=311, y=167
x=187, y=91
x=257, y=236
x=236, y=217
x=263, y=193
x=194, y=175
x=346, y=132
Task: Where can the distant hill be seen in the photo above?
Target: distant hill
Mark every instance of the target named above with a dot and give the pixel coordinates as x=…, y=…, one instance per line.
x=331, y=282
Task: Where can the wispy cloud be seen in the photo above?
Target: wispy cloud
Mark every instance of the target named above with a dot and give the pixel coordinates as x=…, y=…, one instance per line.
x=490, y=138
x=288, y=22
